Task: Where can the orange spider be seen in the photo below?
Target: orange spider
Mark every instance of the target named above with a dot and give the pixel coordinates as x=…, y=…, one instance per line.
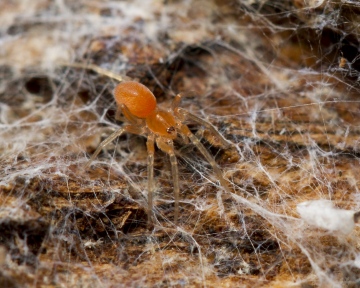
x=138, y=104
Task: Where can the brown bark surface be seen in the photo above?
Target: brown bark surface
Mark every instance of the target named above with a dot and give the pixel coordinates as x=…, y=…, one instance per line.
x=279, y=81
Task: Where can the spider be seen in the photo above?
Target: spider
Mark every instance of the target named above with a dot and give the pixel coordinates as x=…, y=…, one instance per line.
x=161, y=126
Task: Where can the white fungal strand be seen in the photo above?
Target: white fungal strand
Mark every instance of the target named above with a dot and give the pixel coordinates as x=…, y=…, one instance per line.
x=323, y=214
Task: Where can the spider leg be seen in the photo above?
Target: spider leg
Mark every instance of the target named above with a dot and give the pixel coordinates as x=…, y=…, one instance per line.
x=117, y=133
x=184, y=129
x=185, y=114
x=122, y=109
x=176, y=102
x=119, y=116
x=150, y=167
x=94, y=68
x=175, y=107
x=167, y=146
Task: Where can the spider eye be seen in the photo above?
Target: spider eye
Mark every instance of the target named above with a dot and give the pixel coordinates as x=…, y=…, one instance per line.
x=170, y=130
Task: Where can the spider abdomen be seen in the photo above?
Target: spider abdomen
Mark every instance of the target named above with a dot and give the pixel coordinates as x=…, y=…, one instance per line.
x=140, y=101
